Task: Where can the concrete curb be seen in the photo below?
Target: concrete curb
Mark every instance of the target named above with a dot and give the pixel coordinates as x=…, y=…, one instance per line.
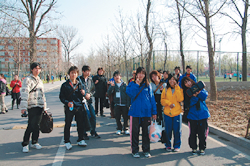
x=241, y=141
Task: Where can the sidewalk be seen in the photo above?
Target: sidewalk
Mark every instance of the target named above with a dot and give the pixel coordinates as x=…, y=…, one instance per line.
x=47, y=87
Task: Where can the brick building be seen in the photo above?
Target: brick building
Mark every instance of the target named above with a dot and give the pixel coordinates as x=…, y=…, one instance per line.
x=14, y=54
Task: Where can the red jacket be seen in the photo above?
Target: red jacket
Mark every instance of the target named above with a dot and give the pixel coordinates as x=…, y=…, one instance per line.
x=17, y=87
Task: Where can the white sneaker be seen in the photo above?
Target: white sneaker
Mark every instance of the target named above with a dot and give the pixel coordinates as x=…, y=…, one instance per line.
x=127, y=132
x=68, y=146
x=26, y=149
x=36, y=146
x=118, y=132
x=82, y=143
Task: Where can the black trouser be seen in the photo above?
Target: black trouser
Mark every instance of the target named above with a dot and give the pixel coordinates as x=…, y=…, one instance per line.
x=101, y=104
x=135, y=123
x=199, y=127
x=159, y=107
x=34, y=120
x=121, y=110
x=78, y=113
x=16, y=96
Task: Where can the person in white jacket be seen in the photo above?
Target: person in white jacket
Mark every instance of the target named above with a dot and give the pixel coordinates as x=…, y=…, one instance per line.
x=33, y=102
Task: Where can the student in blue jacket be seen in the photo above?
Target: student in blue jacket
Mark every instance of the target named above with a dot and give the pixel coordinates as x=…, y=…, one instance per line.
x=197, y=117
x=142, y=109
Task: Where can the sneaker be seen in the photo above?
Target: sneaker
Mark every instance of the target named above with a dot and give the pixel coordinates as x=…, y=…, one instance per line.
x=194, y=152
x=169, y=149
x=26, y=149
x=118, y=132
x=103, y=115
x=95, y=135
x=85, y=137
x=176, y=149
x=127, y=132
x=82, y=143
x=202, y=152
x=36, y=146
x=68, y=146
x=2, y=113
x=136, y=155
x=147, y=154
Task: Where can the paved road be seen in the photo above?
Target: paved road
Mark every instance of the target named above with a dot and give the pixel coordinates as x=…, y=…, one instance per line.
x=109, y=150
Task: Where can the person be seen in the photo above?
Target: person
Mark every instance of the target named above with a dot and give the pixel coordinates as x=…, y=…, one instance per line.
x=33, y=102
x=188, y=74
x=161, y=73
x=3, y=83
x=100, y=90
x=65, y=77
x=52, y=78
x=165, y=76
x=60, y=77
x=157, y=88
x=142, y=108
x=48, y=79
x=171, y=97
x=16, y=84
x=177, y=73
x=225, y=76
x=240, y=76
x=121, y=102
x=71, y=95
x=89, y=85
x=230, y=77
x=197, y=117
x=133, y=78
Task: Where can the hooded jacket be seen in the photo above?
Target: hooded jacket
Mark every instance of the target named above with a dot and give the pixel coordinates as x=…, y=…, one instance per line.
x=144, y=105
x=167, y=98
x=198, y=109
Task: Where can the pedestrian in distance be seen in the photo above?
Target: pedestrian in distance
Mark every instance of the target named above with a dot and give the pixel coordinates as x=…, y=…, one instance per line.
x=89, y=85
x=3, y=84
x=197, y=117
x=121, y=102
x=16, y=84
x=71, y=95
x=225, y=76
x=52, y=78
x=165, y=76
x=60, y=77
x=143, y=107
x=100, y=90
x=133, y=78
x=171, y=97
x=230, y=77
x=157, y=88
x=33, y=102
x=240, y=76
x=177, y=73
x=47, y=78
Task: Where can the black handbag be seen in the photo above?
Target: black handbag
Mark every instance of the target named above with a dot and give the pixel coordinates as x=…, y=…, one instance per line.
x=46, y=125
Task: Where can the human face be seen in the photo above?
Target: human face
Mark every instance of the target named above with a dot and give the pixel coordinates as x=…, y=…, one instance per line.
x=86, y=73
x=188, y=84
x=117, y=78
x=177, y=71
x=165, y=75
x=16, y=77
x=141, y=75
x=36, y=71
x=100, y=72
x=189, y=70
x=155, y=78
x=133, y=75
x=172, y=82
x=73, y=75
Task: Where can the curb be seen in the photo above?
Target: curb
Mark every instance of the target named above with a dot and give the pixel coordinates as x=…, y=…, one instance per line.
x=240, y=141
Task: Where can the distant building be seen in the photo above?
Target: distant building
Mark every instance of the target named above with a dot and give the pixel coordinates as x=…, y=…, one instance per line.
x=15, y=52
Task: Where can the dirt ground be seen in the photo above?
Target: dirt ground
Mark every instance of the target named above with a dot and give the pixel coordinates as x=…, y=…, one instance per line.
x=231, y=111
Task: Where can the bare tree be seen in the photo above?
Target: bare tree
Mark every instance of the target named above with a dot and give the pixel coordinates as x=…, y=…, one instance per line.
x=203, y=7
x=27, y=13
x=240, y=20
x=70, y=40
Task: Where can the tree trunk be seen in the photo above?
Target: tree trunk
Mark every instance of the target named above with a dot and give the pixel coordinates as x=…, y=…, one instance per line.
x=244, y=46
x=213, y=87
x=166, y=55
x=32, y=43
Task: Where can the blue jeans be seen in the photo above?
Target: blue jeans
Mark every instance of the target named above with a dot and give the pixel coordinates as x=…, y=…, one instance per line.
x=173, y=125
x=92, y=119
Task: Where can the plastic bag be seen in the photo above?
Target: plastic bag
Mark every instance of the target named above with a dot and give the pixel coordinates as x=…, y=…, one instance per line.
x=155, y=131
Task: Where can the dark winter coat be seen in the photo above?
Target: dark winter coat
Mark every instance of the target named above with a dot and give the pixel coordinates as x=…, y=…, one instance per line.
x=101, y=86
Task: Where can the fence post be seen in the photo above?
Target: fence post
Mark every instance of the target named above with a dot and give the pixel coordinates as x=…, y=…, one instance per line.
x=237, y=66
x=197, y=66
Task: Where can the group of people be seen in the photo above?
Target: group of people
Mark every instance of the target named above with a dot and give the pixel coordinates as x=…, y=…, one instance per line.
x=138, y=103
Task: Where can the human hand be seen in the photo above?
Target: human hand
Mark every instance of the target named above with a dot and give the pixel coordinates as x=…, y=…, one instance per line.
x=195, y=95
x=96, y=81
x=109, y=82
x=82, y=91
x=112, y=83
x=161, y=88
x=23, y=111
x=172, y=106
x=70, y=104
x=138, y=81
x=87, y=97
x=154, y=117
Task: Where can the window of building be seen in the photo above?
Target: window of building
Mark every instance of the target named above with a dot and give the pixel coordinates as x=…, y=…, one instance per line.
x=1, y=47
x=53, y=42
x=10, y=47
x=2, y=53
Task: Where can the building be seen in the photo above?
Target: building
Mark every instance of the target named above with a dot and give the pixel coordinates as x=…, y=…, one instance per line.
x=14, y=56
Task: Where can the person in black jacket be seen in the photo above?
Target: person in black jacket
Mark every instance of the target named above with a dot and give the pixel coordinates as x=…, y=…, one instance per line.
x=71, y=95
x=121, y=101
x=100, y=90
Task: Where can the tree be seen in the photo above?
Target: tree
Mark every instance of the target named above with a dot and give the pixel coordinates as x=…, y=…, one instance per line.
x=70, y=40
x=27, y=13
x=203, y=8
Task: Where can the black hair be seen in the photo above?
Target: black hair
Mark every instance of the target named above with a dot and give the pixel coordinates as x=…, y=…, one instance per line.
x=85, y=68
x=100, y=68
x=166, y=72
x=169, y=78
x=188, y=66
x=184, y=80
x=160, y=71
x=116, y=73
x=177, y=67
x=73, y=68
x=34, y=65
x=143, y=70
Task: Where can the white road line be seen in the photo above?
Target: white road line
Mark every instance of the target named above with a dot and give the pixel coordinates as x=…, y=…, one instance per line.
x=60, y=154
